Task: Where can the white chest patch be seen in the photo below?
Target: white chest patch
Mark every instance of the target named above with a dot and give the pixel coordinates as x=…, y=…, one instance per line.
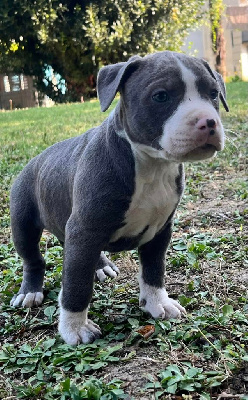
x=154, y=199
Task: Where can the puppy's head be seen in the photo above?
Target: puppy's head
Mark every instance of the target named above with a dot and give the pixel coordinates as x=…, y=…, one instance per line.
x=169, y=104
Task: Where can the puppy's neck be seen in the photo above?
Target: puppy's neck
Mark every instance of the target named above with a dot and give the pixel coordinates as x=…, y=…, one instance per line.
x=143, y=153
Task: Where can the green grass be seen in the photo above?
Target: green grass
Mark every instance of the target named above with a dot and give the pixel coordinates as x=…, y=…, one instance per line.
x=204, y=354
x=25, y=133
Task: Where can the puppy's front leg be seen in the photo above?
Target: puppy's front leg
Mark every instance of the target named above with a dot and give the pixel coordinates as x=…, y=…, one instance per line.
x=81, y=254
x=154, y=298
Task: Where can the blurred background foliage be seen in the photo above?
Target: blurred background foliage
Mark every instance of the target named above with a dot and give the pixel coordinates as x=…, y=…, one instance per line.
x=76, y=38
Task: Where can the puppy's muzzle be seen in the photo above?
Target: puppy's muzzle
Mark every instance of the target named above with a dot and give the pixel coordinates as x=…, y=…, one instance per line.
x=206, y=133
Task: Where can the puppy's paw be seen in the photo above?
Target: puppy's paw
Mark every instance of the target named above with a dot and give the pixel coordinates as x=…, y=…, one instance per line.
x=27, y=300
x=110, y=270
x=76, y=328
x=157, y=303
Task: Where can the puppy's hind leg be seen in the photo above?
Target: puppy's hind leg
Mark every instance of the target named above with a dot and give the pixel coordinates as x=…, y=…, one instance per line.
x=106, y=268
x=26, y=233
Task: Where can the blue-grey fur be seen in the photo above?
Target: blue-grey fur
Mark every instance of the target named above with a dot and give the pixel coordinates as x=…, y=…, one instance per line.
x=80, y=189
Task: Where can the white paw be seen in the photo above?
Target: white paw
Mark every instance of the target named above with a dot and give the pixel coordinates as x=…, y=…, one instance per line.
x=157, y=303
x=76, y=328
x=27, y=300
x=103, y=273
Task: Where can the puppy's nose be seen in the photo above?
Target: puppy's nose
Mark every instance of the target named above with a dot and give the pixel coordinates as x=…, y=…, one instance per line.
x=211, y=123
x=206, y=125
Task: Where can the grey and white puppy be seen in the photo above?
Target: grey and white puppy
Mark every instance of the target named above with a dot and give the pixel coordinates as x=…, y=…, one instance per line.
x=117, y=186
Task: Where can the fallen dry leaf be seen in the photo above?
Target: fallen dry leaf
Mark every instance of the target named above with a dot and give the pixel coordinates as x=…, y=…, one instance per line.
x=146, y=331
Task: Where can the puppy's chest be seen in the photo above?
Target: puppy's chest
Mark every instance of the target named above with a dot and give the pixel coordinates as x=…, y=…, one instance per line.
x=154, y=199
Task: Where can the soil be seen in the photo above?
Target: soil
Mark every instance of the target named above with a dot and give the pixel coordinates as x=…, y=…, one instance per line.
x=218, y=211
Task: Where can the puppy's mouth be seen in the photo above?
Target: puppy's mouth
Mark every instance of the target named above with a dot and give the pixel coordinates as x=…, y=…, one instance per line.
x=208, y=147
x=200, y=153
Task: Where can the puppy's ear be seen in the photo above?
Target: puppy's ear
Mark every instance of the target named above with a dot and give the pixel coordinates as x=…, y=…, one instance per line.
x=110, y=77
x=221, y=84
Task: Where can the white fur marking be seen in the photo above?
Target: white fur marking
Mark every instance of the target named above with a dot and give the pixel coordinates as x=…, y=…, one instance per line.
x=180, y=136
x=115, y=268
x=75, y=327
x=100, y=275
x=154, y=199
x=17, y=301
x=29, y=300
x=109, y=270
x=33, y=299
x=156, y=302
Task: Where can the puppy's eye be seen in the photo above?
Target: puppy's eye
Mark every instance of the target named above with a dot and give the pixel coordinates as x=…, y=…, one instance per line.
x=161, y=96
x=214, y=94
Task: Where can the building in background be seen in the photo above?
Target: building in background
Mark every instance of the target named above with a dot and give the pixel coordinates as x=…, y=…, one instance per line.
x=235, y=41
x=237, y=28
x=17, y=91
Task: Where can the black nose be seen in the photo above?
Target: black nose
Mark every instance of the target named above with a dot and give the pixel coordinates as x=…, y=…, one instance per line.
x=211, y=123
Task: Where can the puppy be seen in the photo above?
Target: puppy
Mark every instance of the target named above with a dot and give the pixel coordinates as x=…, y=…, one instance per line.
x=117, y=186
